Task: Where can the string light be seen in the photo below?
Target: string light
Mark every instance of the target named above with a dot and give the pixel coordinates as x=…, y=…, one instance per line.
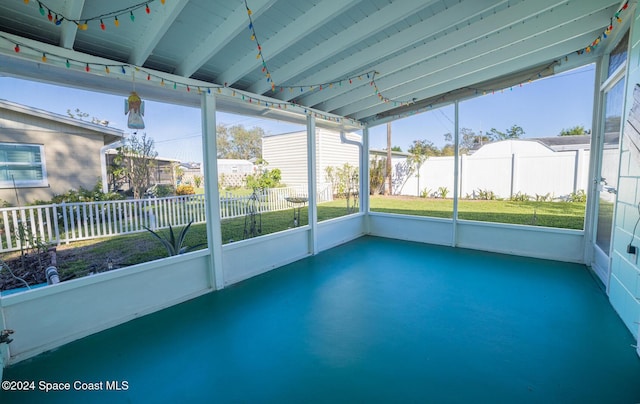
x=44, y=58
x=606, y=32
x=59, y=16
x=259, y=55
x=123, y=68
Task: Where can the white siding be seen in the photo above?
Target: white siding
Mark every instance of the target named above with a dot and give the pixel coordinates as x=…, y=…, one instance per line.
x=624, y=283
x=288, y=153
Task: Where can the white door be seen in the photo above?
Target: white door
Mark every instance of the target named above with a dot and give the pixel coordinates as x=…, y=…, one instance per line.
x=606, y=150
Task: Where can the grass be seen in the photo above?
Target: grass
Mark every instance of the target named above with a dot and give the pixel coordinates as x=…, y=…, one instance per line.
x=566, y=215
x=81, y=258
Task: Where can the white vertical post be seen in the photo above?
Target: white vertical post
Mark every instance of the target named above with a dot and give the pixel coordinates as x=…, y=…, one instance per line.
x=312, y=184
x=581, y=180
x=456, y=173
x=364, y=174
x=514, y=175
x=212, y=196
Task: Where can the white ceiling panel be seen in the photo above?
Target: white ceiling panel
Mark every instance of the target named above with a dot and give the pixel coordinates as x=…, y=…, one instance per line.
x=422, y=51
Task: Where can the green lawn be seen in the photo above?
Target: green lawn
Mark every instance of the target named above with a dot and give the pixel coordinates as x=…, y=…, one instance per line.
x=568, y=215
x=80, y=258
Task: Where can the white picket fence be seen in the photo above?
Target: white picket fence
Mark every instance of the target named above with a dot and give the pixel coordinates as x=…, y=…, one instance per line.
x=62, y=223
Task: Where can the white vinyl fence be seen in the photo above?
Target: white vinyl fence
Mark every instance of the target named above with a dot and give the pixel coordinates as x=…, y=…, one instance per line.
x=22, y=227
x=557, y=174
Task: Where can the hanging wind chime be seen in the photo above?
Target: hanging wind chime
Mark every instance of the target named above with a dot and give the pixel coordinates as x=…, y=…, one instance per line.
x=134, y=107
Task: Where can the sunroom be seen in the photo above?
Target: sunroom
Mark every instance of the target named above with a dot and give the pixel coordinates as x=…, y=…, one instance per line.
x=367, y=304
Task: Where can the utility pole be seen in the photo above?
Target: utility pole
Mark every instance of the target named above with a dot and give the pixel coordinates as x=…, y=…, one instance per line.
x=389, y=187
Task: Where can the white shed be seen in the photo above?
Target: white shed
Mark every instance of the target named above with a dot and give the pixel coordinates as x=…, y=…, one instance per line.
x=288, y=152
x=232, y=172
x=235, y=166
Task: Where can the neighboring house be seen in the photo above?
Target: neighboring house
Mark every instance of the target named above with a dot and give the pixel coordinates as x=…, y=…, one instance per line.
x=288, y=152
x=190, y=171
x=162, y=173
x=43, y=154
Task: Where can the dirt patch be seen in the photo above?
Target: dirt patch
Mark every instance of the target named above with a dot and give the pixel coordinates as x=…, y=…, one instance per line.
x=72, y=262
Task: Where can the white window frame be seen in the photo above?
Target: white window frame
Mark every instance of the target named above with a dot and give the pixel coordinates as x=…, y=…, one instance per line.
x=44, y=182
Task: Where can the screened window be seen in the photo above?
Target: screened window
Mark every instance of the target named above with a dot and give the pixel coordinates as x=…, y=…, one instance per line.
x=22, y=165
x=619, y=55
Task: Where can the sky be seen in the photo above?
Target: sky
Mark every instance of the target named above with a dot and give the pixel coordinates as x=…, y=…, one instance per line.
x=542, y=108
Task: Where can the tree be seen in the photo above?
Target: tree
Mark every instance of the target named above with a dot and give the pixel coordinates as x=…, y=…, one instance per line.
x=197, y=181
x=137, y=157
x=574, y=131
x=377, y=168
x=514, y=132
x=420, y=151
x=468, y=140
x=264, y=178
x=178, y=172
x=424, y=148
x=447, y=150
x=396, y=149
x=237, y=142
x=80, y=115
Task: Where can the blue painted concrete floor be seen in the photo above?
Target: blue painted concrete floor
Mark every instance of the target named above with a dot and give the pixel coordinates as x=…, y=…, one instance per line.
x=375, y=320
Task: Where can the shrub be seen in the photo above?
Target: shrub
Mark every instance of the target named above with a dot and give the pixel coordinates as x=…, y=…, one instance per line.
x=578, y=196
x=520, y=197
x=164, y=190
x=486, y=195
x=197, y=180
x=82, y=195
x=425, y=193
x=266, y=179
x=543, y=198
x=344, y=180
x=172, y=242
x=443, y=192
x=185, y=190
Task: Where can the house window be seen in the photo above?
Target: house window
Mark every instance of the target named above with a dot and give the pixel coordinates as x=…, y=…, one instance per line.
x=22, y=165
